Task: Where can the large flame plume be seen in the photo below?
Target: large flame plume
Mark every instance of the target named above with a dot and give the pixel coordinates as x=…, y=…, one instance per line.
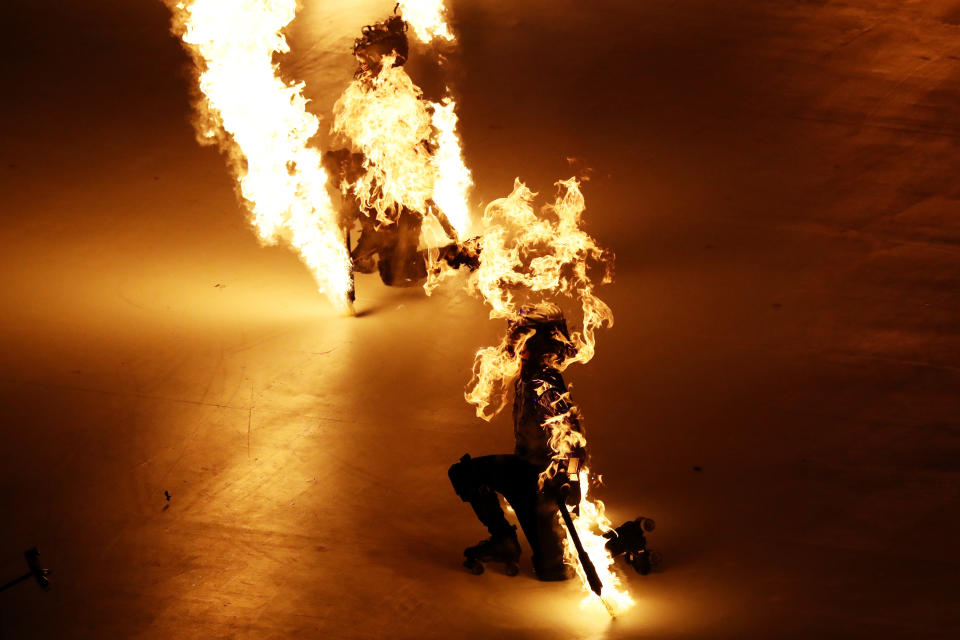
x=262, y=122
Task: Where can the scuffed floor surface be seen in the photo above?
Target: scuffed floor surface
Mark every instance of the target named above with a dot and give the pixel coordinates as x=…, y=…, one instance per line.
x=778, y=180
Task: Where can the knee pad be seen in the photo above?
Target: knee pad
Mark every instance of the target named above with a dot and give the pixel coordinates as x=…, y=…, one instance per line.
x=463, y=479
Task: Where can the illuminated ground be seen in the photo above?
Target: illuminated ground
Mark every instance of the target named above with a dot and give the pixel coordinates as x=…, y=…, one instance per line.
x=779, y=182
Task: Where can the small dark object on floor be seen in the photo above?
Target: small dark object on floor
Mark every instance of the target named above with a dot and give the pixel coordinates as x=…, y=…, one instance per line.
x=628, y=540
x=698, y=468
x=36, y=572
x=166, y=494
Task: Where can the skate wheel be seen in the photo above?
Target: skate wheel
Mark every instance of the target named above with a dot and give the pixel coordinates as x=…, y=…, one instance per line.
x=512, y=569
x=648, y=524
x=476, y=568
x=655, y=558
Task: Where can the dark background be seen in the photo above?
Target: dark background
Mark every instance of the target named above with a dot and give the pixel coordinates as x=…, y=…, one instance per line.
x=778, y=180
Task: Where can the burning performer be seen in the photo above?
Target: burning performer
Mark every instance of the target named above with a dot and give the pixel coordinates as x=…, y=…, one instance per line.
x=540, y=338
x=391, y=186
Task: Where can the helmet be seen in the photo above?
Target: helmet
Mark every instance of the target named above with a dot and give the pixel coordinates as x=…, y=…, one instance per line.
x=545, y=321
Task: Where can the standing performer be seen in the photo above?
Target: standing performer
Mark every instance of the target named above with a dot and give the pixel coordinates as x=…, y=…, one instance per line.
x=540, y=396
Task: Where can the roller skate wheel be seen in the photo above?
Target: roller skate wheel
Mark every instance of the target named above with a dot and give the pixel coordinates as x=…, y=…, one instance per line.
x=640, y=562
x=655, y=558
x=648, y=524
x=512, y=569
x=475, y=567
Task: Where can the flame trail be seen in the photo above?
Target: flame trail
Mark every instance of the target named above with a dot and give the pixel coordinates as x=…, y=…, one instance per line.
x=263, y=124
x=453, y=181
x=525, y=258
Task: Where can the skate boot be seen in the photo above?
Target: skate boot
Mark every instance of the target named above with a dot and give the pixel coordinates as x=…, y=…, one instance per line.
x=556, y=572
x=499, y=548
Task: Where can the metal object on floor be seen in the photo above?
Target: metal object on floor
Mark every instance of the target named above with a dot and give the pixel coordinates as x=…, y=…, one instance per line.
x=629, y=541
x=36, y=572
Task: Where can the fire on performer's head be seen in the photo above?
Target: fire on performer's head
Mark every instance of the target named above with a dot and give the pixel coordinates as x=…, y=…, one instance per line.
x=538, y=334
x=386, y=39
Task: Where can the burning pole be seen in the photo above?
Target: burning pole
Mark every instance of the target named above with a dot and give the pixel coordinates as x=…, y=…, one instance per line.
x=262, y=124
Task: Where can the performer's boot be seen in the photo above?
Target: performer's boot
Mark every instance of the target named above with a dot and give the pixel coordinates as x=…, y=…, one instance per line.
x=554, y=573
x=503, y=547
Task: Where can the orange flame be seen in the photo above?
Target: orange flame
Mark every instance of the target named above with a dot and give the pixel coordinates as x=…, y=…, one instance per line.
x=262, y=123
x=591, y=523
x=411, y=150
x=528, y=257
x=426, y=18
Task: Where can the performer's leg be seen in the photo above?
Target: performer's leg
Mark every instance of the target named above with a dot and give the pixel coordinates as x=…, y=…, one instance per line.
x=476, y=480
x=548, y=555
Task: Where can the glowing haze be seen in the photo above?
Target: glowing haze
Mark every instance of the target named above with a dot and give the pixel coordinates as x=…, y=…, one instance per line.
x=263, y=124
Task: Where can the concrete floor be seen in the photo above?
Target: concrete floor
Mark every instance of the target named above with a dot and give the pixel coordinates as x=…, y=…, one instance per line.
x=778, y=181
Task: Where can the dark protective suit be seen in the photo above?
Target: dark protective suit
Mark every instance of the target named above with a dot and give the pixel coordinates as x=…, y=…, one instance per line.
x=538, y=395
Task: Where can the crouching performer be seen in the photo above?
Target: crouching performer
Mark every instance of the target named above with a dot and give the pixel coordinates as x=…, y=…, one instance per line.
x=541, y=337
